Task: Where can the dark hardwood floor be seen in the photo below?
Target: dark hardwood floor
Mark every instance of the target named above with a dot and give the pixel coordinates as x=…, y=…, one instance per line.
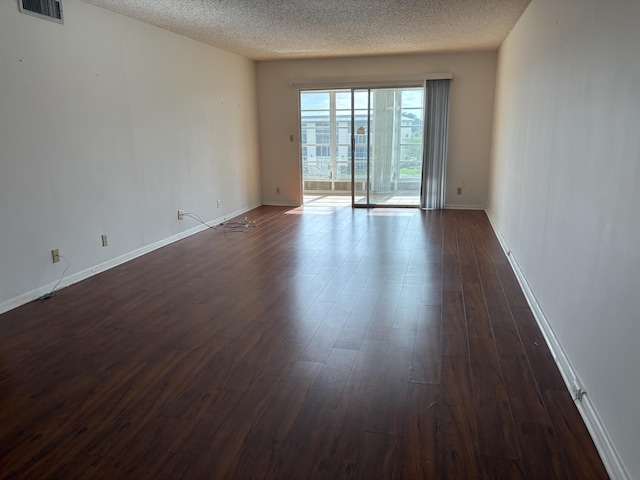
x=322, y=343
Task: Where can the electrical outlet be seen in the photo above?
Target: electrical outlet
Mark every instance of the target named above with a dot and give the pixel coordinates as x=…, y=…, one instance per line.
x=55, y=255
x=577, y=390
x=219, y=203
x=277, y=190
x=459, y=190
x=105, y=242
x=180, y=214
x=291, y=138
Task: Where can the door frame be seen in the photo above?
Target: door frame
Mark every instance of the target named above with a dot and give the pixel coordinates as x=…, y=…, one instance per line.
x=367, y=203
x=352, y=90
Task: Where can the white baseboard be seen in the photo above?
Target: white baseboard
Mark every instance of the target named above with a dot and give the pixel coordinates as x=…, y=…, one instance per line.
x=447, y=207
x=281, y=204
x=114, y=262
x=464, y=207
x=601, y=438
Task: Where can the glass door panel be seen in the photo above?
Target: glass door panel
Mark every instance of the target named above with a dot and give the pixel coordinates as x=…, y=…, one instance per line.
x=361, y=146
x=387, y=144
x=325, y=145
x=341, y=142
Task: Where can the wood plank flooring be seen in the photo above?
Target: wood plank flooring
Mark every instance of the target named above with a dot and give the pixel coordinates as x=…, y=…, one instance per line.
x=324, y=343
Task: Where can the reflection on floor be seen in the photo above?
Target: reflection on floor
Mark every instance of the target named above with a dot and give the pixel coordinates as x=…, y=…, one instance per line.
x=329, y=200
x=323, y=204
x=392, y=212
x=398, y=198
x=329, y=204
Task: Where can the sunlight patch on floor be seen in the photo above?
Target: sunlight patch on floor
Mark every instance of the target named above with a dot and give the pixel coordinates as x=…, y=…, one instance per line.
x=321, y=205
x=330, y=204
x=313, y=211
x=392, y=212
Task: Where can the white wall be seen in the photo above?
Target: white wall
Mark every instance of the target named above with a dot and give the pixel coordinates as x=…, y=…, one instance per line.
x=565, y=190
x=109, y=125
x=471, y=111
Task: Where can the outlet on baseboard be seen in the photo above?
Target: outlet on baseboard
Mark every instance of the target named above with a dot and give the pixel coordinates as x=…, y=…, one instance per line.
x=459, y=190
x=277, y=190
x=55, y=255
x=219, y=203
x=577, y=390
x=180, y=214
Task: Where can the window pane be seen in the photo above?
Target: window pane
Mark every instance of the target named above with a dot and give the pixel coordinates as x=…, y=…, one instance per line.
x=410, y=154
x=343, y=135
x=361, y=99
x=316, y=117
x=343, y=100
x=412, y=134
x=412, y=98
x=314, y=101
x=343, y=170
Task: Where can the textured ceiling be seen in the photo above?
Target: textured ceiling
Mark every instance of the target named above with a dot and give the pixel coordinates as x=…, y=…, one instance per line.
x=277, y=29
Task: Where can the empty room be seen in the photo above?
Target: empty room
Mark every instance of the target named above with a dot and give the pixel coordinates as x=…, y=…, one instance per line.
x=304, y=240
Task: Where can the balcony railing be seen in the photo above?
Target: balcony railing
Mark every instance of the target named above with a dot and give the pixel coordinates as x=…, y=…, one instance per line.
x=320, y=177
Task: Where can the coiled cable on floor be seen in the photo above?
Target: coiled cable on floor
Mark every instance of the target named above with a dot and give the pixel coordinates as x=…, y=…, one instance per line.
x=242, y=226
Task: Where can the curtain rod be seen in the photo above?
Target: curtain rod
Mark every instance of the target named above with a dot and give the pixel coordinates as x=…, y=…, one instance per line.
x=368, y=80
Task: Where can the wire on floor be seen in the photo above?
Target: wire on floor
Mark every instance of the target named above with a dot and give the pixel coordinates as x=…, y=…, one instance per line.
x=242, y=226
x=53, y=290
x=196, y=217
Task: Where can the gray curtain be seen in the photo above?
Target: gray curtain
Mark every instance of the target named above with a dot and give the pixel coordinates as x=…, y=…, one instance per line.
x=435, y=138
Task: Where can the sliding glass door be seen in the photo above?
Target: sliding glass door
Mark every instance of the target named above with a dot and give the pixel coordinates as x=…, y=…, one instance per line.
x=365, y=144
x=325, y=134
x=387, y=146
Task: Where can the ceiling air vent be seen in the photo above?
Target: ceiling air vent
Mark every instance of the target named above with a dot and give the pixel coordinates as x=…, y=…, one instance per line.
x=48, y=9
